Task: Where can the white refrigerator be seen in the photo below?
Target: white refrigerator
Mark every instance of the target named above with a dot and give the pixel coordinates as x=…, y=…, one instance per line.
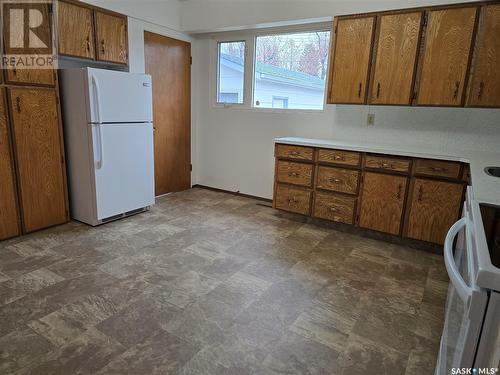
x=108, y=130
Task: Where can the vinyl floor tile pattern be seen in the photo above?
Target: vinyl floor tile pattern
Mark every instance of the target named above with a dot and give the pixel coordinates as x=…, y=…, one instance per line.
x=211, y=283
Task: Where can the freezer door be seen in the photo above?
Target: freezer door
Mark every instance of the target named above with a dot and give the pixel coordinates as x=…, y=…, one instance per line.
x=488, y=353
x=465, y=304
x=116, y=97
x=124, y=167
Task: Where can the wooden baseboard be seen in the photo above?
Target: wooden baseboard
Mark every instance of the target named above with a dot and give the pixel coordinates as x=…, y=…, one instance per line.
x=231, y=192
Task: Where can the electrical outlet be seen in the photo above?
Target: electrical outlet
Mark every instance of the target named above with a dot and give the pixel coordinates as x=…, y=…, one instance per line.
x=370, y=121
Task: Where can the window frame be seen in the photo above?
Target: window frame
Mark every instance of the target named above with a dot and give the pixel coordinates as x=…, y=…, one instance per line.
x=250, y=38
x=217, y=87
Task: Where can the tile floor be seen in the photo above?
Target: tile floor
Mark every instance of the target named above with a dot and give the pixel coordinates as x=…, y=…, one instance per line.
x=211, y=283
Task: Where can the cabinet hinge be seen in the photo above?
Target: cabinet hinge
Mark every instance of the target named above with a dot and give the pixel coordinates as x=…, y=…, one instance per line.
x=426, y=17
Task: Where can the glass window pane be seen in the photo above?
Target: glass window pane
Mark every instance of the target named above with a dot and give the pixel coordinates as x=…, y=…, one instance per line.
x=290, y=70
x=231, y=72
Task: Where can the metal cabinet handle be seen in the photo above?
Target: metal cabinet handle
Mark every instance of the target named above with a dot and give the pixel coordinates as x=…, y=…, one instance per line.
x=386, y=165
x=18, y=104
x=437, y=169
x=359, y=90
x=103, y=49
x=293, y=174
x=420, y=193
x=333, y=209
x=457, y=87
x=14, y=70
x=294, y=153
x=292, y=200
x=378, y=90
x=339, y=157
x=88, y=44
x=400, y=190
x=335, y=180
x=481, y=90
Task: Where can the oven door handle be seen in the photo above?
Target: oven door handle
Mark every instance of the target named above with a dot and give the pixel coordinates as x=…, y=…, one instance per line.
x=463, y=290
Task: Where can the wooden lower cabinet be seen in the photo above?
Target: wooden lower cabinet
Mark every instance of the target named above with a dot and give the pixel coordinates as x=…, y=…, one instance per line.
x=40, y=162
x=293, y=199
x=338, y=179
x=295, y=173
x=434, y=207
x=9, y=216
x=334, y=207
x=382, y=202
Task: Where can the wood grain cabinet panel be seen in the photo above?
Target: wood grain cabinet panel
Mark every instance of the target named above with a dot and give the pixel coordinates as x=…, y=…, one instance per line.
x=295, y=152
x=334, y=207
x=339, y=157
x=339, y=180
x=295, y=173
x=42, y=77
x=9, y=216
x=387, y=163
x=382, y=202
x=437, y=168
x=434, y=207
x=293, y=199
x=111, y=37
x=395, y=59
x=75, y=30
x=485, y=85
x=351, y=60
x=40, y=162
x=446, y=56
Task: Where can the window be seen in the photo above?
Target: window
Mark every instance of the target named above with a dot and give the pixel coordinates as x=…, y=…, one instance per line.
x=290, y=70
x=280, y=102
x=230, y=72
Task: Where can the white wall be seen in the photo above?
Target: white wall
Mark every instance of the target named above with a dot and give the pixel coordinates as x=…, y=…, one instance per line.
x=198, y=16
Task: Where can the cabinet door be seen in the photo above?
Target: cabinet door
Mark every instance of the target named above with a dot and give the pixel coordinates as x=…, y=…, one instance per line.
x=397, y=43
x=9, y=218
x=43, y=77
x=382, y=202
x=446, y=56
x=112, y=41
x=351, y=60
x=40, y=162
x=485, y=85
x=75, y=30
x=434, y=207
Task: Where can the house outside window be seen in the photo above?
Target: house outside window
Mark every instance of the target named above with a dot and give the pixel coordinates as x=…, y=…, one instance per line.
x=231, y=72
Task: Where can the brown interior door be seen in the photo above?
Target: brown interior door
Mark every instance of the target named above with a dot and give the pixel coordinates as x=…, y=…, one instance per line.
x=382, y=202
x=75, y=30
x=397, y=42
x=434, y=207
x=485, y=86
x=168, y=62
x=9, y=216
x=351, y=60
x=111, y=37
x=40, y=162
x=446, y=56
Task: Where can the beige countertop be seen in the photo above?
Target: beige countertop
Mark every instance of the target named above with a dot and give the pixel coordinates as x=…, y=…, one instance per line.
x=486, y=188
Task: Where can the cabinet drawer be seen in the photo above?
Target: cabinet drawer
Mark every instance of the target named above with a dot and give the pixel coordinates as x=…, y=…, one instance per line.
x=334, y=207
x=295, y=152
x=437, y=168
x=295, y=173
x=387, y=163
x=336, y=179
x=293, y=199
x=339, y=157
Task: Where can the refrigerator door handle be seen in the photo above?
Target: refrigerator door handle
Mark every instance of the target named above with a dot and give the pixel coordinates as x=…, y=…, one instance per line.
x=101, y=151
x=97, y=92
x=463, y=290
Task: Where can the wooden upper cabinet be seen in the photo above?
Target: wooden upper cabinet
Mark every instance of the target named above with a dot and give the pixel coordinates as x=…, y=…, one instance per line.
x=395, y=58
x=382, y=202
x=433, y=208
x=351, y=60
x=40, y=163
x=446, y=56
x=111, y=37
x=485, y=85
x=9, y=218
x=75, y=30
